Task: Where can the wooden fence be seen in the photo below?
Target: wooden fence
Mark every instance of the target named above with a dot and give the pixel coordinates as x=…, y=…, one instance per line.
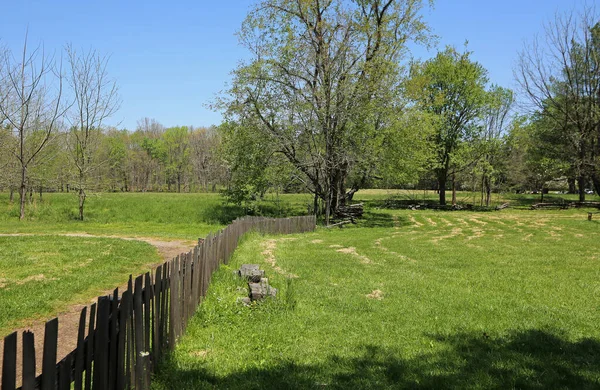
x=128, y=334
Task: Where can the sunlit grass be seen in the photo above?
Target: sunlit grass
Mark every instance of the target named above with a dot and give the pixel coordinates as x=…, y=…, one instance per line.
x=468, y=300
x=42, y=275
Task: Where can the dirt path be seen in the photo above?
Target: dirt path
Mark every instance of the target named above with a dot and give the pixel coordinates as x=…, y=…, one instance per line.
x=68, y=320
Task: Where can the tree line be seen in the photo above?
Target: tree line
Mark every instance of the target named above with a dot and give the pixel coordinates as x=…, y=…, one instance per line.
x=150, y=158
x=328, y=102
x=330, y=98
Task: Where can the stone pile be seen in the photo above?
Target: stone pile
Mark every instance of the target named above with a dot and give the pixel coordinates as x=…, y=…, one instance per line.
x=258, y=285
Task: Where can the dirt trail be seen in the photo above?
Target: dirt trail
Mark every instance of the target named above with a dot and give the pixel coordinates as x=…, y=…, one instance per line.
x=68, y=320
x=269, y=247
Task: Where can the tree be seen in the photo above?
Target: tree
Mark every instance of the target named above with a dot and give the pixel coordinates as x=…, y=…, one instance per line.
x=496, y=121
x=534, y=157
x=560, y=75
x=207, y=165
x=31, y=107
x=252, y=162
x=115, y=154
x=95, y=98
x=175, y=143
x=8, y=164
x=453, y=88
x=146, y=167
x=320, y=74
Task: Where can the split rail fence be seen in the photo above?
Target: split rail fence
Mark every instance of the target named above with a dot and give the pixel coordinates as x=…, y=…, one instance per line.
x=127, y=335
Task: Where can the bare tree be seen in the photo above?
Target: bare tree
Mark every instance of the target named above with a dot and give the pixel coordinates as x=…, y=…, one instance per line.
x=560, y=75
x=31, y=107
x=95, y=98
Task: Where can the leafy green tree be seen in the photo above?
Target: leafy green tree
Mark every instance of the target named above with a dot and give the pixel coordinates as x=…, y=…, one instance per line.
x=321, y=77
x=116, y=156
x=251, y=161
x=495, y=123
x=533, y=156
x=451, y=87
x=175, y=144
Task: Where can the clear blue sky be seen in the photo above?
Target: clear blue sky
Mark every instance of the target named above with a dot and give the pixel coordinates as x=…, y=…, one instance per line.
x=170, y=58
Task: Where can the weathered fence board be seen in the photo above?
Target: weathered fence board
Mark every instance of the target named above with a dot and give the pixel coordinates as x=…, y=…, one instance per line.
x=28, y=361
x=9, y=366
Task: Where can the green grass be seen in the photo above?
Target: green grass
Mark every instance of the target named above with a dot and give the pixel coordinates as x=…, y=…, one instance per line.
x=470, y=300
x=41, y=276
x=77, y=269
x=164, y=215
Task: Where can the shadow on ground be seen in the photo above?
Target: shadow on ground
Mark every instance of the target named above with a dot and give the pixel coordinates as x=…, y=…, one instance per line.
x=531, y=359
x=375, y=219
x=224, y=213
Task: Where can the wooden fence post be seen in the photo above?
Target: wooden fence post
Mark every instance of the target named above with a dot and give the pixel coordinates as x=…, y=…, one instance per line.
x=49, y=355
x=9, y=362
x=28, y=361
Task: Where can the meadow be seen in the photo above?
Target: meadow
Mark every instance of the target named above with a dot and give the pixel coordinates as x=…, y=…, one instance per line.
x=402, y=299
x=459, y=300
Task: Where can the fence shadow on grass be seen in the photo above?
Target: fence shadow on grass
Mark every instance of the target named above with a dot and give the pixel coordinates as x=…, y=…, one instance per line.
x=531, y=359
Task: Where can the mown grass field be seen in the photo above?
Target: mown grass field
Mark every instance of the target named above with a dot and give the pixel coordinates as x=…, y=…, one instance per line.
x=427, y=300
x=403, y=299
x=40, y=276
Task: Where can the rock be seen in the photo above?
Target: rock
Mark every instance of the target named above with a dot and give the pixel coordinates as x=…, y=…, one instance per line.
x=251, y=272
x=261, y=290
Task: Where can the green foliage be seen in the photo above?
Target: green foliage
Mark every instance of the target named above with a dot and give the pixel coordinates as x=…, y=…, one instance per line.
x=452, y=88
x=254, y=166
x=328, y=119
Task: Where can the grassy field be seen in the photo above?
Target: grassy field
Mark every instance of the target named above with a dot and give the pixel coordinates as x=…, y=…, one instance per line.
x=163, y=215
x=41, y=276
x=426, y=300
x=43, y=273
x=403, y=299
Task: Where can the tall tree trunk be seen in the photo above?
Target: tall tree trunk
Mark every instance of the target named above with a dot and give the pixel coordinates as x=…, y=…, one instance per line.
x=581, y=187
x=11, y=198
x=482, y=188
x=453, y=188
x=488, y=191
x=82, y=196
x=327, y=208
x=571, y=182
x=316, y=204
x=23, y=192
x=596, y=182
x=442, y=188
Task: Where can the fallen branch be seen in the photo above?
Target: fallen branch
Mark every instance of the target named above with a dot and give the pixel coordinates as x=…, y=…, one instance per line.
x=339, y=224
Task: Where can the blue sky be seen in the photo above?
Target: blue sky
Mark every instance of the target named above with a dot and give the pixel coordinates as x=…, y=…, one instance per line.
x=171, y=58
